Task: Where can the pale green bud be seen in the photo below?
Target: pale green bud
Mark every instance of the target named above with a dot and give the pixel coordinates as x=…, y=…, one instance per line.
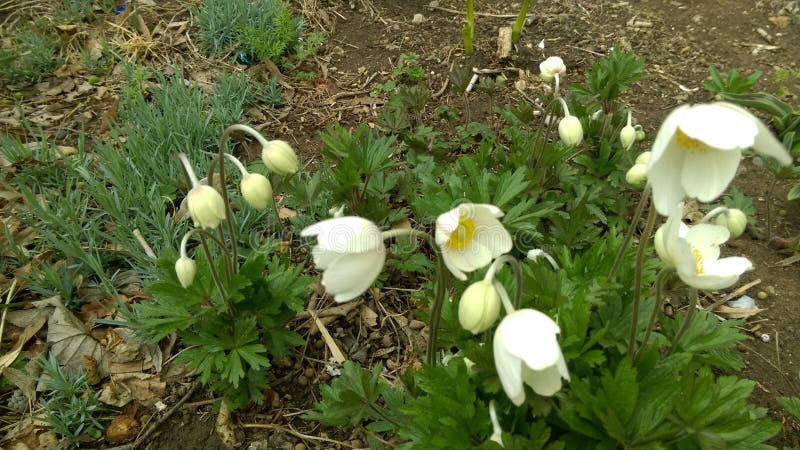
x=636, y=175
x=185, y=268
x=551, y=67
x=256, y=190
x=734, y=220
x=279, y=158
x=627, y=136
x=643, y=158
x=640, y=135
x=571, y=131
x=205, y=206
x=479, y=307
x=661, y=248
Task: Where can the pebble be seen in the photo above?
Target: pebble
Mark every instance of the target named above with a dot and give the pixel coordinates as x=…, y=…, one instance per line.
x=771, y=290
x=300, y=446
x=418, y=18
x=309, y=373
x=761, y=295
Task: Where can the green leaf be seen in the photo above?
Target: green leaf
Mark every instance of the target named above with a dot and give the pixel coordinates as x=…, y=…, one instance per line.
x=792, y=404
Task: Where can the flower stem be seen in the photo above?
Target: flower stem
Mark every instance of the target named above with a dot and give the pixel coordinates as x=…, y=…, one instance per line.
x=212, y=266
x=515, y=266
x=517, y=28
x=661, y=279
x=629, y=235
x=686, y=320
x=234, y=264
x=637, y=287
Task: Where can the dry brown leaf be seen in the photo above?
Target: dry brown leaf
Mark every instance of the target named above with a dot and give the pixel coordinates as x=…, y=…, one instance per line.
x=29, y=331
x=286, y=213
x=368, y=316
x=70, y=340
x=122, y=429
x=125, y=387
x=23, y=381
x=737, y=313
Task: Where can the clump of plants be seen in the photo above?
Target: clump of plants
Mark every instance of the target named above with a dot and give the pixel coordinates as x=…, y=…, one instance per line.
x=254, y=30
x=30, y=55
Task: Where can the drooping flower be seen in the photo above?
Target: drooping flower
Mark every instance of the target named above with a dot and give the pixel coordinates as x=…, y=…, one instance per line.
x=552, y=67
x=205, y=206
x=256, y=190
x=279, y=157
x=350, y=252
x=694, y=252
x=185, y=269
x=470, y=236
x=526, y=351
x=627, y=136
x=479, y=307
x=570, y=130
x=697, y=151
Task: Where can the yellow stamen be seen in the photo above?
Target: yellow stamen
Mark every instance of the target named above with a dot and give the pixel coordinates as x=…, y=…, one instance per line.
x=698, y=261
x=689, y=143
x=463, y=234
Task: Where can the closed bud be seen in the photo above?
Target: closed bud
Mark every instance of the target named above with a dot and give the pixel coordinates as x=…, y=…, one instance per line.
x=640, y=135
x=570, y=130
x=479, y=307
x=205, y=206
x=185, y=268
x=551, y=67
x=637, y=175
x=627, y=136
x=643, y=158
x=256, y=190
x=279, y=158
x=733, y=219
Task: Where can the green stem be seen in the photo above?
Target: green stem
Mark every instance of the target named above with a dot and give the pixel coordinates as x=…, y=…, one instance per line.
x=516, y=267
x=686, y=320
x=517, y=28
x=234, y=264
x=637, y=287
x=629, y=235
x=468, y=32
x=213, y=267
x=662, y=278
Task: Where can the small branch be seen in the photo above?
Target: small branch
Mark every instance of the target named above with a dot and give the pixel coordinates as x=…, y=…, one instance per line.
x=147, y=249
x=455, y=11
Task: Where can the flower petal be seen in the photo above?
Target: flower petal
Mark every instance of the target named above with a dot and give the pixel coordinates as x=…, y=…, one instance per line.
x=707, y=238
x=765, y=142
x=352, y=274
x=531, y=336
x=663, y=175
x=470, y=259
x=544, y=382
x=445, y=225
x=349, y=234
x=719, y=127
x=509, y=369
x=706, y=174
x=666, y=135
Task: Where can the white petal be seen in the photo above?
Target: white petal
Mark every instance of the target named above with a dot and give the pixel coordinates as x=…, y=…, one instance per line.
x=445, y=225
x=707, y=238
x=324, y=258
x=494, y=237
x=709, y=282
x=544, y=382
x=448, y=262
x=765, y=142
x=470, y=259
x=478, y=210
x=509, y=369
x=664, y=177
x=706, y=174
x=531, y=336
x=352, y=274
x=349, y=234
x=666, y=135
x=730, y=265
x=719, y=127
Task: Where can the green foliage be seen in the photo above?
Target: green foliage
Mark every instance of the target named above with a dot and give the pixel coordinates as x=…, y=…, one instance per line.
x=792, y=404
x=231, y=340
x=408, y=69
x=610, y=76
x=32, y=56
x=261, y=29
x=733, y=82
x=737, y=199
x=71, y=407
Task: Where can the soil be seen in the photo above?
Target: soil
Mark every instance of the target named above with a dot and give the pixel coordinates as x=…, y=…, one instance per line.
x=679, y=39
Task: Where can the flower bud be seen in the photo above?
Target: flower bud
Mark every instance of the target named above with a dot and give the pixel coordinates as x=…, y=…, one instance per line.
x=661, y=247
x=733, y=219
x=627, y=136
x=570, y=130
x=640, y=135
x=205, y=206
x=256, y=190
x=551, y=67
x=185, y=268
x=643, y=158
x=637, y=175
x=279, y=157
x=479, y=307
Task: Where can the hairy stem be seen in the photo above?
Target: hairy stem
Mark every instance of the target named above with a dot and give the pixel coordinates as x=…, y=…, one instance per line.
x=661, y=279
x=686, y=320
x=629, y=235
x=637, y=287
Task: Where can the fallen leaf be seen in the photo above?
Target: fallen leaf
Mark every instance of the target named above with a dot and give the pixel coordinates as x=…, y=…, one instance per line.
x=29, y=331
x=124, y=387
x=368, y=316
x=286, y=213
x=737, y=313
x=70, y=340
x=122, y=429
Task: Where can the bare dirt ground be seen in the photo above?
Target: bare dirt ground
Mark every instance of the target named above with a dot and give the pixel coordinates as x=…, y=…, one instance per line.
x=679, y=39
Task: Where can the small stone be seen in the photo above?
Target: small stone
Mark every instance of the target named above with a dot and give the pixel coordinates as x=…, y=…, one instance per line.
x=300, y=446
x=434, y=4
x=356, y=443
x=319, y=344
x=771, y=290
x=761, y=295
x=765, y=337
x=309, y=372
x=782, y=212
x=418, y=18
x=386, y=341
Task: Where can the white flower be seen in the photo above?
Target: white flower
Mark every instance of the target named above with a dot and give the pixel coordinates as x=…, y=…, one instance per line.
x=627, y=136
x=205, y=206
x=694, y=252
x=697, y=151
x=734, y=220
x=185, y=269
x=570, y=130
x=479, y=307
x=470, y=236
x=256, y=190
x=551, y=67
x=279, y=157
x=526, y=351
x=643, y=158
x=636, y=175
x=350, y=253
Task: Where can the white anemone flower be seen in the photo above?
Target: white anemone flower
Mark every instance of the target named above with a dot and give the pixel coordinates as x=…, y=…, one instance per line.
x=694, y=252
x=470, y=236
x=526, y=351
x=698, y=148
x=350, y=253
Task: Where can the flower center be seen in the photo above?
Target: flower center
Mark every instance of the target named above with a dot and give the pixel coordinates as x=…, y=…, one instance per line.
x=698, y=261
x=689, y=143
x=463, y=234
